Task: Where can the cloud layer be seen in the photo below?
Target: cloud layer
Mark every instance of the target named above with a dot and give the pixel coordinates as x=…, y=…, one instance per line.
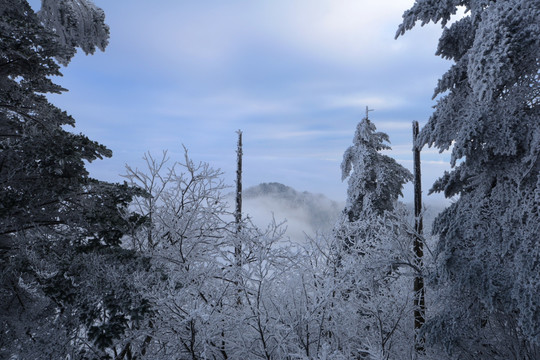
x=295, y=76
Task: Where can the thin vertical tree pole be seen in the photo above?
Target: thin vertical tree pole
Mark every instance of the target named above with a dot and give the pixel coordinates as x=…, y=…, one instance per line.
x=238, y=211
x=238, y=216
x=418, y=248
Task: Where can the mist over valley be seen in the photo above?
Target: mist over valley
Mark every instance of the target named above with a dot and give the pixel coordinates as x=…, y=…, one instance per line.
x=302, y=213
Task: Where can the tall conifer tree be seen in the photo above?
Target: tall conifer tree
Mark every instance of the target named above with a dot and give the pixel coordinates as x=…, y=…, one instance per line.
x=373, y=245
x=488, y=114
x=375, y=180
x=66, y=288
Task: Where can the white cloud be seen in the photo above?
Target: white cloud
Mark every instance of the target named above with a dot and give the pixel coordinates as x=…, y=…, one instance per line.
x=393, y=125
x=225, y=106
x=211, y=36
x=179, y=32
x=343, y=31
x=360, y=101
x=282, y=134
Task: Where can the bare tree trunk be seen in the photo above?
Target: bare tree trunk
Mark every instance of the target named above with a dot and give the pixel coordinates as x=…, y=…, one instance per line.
x=419, y=290
x=238, y=213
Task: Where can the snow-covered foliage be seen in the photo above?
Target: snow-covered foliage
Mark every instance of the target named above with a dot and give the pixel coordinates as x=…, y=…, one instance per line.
x=377, y=271
x=207, y=305
x=184, y=234
x=488, y=109
x=375, y=180
x=38, y=155
x=319, y=300
x=77, y=24
x=373, y=251
x=67, y=288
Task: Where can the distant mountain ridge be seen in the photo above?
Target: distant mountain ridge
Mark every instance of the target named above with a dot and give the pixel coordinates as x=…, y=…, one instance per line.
x=322, y=212
x=271, y=188
x=305, y=212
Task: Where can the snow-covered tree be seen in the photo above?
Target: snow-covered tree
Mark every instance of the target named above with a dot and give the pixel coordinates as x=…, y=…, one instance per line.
x=373, y=248
x=488, y=114
x=66, y=287
x=42, y=163
x=375, y=180
x=210, y=300
x=183, y=234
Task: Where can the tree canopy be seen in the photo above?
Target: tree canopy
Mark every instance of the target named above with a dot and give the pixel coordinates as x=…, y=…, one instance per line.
x=59, y=228
x=487, y=113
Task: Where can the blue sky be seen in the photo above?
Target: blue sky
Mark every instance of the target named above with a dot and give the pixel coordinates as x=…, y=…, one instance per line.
x=294, y=75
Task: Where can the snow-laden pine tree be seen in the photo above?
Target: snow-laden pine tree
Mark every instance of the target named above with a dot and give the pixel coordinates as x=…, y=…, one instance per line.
x=66, y=288
x=488, y=114
x=373, y=247
x=375, y=180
